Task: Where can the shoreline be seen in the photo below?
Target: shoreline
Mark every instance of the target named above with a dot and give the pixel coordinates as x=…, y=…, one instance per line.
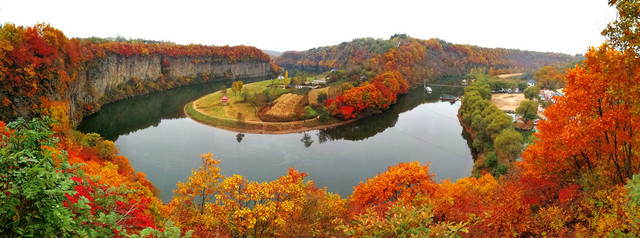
x=267, y=128
x=478, y=162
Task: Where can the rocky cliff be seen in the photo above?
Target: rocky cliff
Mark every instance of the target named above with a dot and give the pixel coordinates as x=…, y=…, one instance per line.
x=117, y=76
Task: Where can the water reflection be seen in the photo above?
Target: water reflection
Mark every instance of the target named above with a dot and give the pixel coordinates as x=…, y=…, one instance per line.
x=306, y=140
x=141, y=112
x=371, y=126
x=239, y=137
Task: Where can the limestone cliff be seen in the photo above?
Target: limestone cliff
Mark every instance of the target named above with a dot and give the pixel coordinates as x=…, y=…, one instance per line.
x=134, y=74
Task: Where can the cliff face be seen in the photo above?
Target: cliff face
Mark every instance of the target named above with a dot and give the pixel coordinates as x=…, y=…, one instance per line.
x=113, y=71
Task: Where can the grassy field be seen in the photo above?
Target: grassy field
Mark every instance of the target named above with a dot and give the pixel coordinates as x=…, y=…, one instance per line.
x=243, y=116
x=212, y=104
x=313, y=95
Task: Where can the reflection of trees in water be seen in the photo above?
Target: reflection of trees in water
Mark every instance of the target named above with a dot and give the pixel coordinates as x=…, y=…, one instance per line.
x=239, y=137
x=467, y=137
x=140, y=112
x=371, y=126
x=306, y=140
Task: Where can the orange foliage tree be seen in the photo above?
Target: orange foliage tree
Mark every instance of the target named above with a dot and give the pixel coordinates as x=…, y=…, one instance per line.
x=404, y=181
x=594, y=127
x=376, y=94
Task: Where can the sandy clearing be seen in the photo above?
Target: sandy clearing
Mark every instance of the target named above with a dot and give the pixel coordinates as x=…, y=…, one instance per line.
x=507, y=101
x=504, y=76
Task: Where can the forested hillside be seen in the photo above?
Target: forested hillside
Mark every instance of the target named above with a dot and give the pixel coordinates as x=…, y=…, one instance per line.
x=420, y=59
x=41, y=70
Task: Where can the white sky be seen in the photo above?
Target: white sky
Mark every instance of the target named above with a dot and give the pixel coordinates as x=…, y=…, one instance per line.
x=566, y=26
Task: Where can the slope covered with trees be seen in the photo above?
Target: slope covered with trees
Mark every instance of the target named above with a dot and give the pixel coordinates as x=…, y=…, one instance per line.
x=419, y=59
x=40, y=64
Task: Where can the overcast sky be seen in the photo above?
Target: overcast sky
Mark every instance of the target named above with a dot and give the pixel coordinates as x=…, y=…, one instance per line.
x=566, y=26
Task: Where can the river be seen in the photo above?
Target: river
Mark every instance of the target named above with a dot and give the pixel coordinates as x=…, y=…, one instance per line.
x=160, y=141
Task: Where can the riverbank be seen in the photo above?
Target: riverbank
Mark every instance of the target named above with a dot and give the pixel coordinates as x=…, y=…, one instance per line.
x=478, y=162
x=259, y=127
x=282, y=111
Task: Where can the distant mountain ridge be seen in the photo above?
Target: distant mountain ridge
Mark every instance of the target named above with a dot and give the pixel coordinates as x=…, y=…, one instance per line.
x=420, y=59
x=272, y=53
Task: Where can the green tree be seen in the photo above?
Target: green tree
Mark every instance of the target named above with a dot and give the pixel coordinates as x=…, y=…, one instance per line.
x=41, y=195
x=491, y=160
x=299, y=79
x=522, y=86
x=500, y=122
x=481, y=86
x=482, y=142
x=336, y=75
x=32, y=189
x=531, y=92
x=236, y=86
x=528, y=110
x=501, y=169
x=508, y=144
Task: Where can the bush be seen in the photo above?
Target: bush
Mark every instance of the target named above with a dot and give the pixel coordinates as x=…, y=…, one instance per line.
x=42, y=195
x=322, y=97
x=491, y=160
x=324, y=115
x=309, y=113
x=500, y=170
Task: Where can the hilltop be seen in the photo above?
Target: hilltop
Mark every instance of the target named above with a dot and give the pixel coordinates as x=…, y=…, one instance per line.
x=420, y=59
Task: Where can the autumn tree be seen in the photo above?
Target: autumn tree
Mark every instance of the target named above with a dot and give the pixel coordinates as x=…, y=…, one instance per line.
x=550, y=77
x=404, y=181
x=286, y=77
x=236, y=86
x=214, y=205
x=585, y=133
x=193, y=205
x=623, y=32
x=404, y=219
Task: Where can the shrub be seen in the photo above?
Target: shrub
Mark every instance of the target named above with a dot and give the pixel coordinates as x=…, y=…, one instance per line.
x=500, y=170
x=491, y=160
x=309, y=113
x=322, y=97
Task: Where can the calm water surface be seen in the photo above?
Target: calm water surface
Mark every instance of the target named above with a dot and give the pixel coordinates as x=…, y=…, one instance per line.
x=160, y=141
